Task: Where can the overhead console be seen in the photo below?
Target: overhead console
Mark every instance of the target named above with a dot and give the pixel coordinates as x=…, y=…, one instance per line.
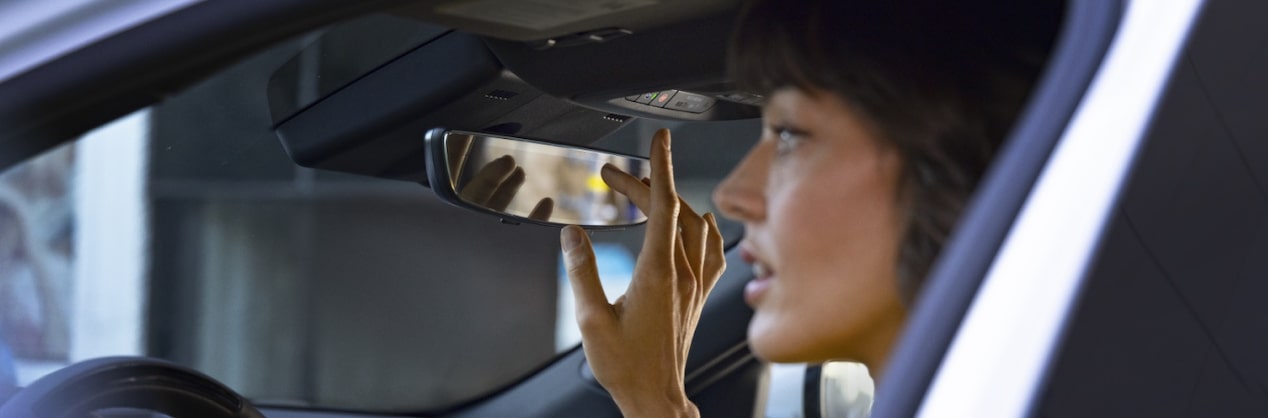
x=675, y=71
x=359, y=98
x=373, y=123
x=693, y=105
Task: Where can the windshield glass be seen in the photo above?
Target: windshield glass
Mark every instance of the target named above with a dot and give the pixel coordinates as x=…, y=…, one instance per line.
x=184, y=231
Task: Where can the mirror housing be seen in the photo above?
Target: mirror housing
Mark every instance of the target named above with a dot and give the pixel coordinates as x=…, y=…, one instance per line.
x=528, y=181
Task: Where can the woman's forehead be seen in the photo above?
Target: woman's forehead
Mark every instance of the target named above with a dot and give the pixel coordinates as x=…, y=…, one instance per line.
x=797, y=103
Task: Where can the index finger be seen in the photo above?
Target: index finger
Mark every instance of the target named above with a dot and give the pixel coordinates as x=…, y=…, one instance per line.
x=628, y=185
x=482, y=185
x=639, y=191
x=662, y=216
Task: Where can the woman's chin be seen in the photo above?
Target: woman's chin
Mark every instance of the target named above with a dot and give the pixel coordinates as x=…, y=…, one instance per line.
x=775, y=353
x=768, y=343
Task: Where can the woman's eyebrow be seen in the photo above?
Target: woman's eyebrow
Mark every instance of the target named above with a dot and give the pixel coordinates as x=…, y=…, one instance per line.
x=772, y=113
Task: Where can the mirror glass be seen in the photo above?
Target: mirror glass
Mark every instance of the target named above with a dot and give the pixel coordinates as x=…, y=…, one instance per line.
x=525, y=180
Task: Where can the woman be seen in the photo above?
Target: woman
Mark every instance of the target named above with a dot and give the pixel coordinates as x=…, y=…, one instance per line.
x=880, y=118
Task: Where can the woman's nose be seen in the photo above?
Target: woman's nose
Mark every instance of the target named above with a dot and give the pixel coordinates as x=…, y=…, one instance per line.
x=742, y=195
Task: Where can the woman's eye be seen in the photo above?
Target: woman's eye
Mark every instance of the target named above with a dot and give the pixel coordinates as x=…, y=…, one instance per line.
x=787, y=140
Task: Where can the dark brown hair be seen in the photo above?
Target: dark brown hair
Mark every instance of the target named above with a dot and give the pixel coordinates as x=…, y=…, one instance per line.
x=940, y=82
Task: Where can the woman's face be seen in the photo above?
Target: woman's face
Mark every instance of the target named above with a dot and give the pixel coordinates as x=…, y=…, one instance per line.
x=817, y=196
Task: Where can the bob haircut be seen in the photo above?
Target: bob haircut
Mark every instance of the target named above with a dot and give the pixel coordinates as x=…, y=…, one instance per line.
x=940, y=82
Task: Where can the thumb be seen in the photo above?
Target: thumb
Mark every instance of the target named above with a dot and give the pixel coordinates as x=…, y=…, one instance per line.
x=583, y=274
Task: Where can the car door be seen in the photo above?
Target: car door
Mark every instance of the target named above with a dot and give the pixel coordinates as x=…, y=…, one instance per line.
x=1170, y=321
x=1117, y=290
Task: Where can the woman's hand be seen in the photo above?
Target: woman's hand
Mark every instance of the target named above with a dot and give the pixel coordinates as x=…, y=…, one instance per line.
x=495, y=185
x=637, y=347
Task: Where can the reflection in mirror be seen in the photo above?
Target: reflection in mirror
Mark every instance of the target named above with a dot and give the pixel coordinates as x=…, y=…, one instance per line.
x=529, y=180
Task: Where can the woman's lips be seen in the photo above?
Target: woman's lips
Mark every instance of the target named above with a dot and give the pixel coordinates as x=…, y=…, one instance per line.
x=755, y=289
x=761, y=282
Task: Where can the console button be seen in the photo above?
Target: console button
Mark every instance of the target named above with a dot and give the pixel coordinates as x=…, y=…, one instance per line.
x=663, y=98
x=690, y=102
x=646, y=98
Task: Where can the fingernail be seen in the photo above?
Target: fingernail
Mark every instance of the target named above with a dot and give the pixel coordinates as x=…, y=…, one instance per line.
x=570, y=238
x=608, y=168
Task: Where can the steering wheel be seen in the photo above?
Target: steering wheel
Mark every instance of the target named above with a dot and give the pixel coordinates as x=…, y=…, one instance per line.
x=127, y=382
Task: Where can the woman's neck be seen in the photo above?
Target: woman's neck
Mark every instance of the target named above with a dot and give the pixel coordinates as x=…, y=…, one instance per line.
x=880, y=344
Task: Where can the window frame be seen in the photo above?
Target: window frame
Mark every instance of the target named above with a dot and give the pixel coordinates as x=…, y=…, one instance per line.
x=996, y=359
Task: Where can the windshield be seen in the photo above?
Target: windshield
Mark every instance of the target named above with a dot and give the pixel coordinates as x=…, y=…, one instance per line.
x=184, y=231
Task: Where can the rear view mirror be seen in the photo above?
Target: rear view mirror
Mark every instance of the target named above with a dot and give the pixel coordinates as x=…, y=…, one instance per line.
x=522, y=180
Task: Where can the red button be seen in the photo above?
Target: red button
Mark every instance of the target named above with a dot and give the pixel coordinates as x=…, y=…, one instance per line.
x=663, y=98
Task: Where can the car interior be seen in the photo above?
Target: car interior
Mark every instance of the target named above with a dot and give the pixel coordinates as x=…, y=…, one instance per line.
x=295, y=263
